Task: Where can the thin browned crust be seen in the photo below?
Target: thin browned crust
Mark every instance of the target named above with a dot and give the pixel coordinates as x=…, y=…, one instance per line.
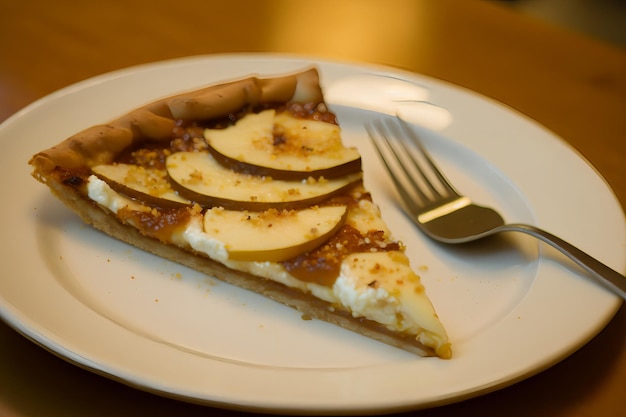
x=155, y=122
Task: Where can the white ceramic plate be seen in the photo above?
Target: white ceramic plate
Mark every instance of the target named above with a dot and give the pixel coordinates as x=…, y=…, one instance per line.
x=511, y=306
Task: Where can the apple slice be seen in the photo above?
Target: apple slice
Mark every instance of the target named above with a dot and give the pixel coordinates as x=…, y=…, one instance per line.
x=283, y=147
x=198, y=177
x=145, y=184
x=273, y=235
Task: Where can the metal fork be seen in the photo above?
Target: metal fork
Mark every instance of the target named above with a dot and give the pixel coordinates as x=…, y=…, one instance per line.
x=444, y=214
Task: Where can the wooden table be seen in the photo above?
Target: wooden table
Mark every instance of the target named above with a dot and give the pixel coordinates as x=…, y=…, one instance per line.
x=573, y=85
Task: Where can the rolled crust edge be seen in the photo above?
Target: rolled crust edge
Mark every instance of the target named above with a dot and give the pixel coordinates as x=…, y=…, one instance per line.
x=155, y=121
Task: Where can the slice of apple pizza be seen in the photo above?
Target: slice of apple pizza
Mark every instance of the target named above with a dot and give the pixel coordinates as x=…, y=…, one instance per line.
x=249, y=181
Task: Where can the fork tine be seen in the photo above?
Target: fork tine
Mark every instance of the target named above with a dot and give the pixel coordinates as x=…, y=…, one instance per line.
x=419, y=182
x=399, y=152
x=410, y=133
x=406, y=160
x=377, y=135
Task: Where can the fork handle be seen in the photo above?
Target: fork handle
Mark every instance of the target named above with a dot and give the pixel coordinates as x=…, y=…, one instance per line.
x=607, y=276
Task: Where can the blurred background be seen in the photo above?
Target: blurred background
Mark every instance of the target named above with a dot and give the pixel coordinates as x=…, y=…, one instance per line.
x=601, y=19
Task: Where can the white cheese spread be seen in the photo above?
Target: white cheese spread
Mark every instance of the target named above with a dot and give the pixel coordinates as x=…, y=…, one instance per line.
x=379, y=286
